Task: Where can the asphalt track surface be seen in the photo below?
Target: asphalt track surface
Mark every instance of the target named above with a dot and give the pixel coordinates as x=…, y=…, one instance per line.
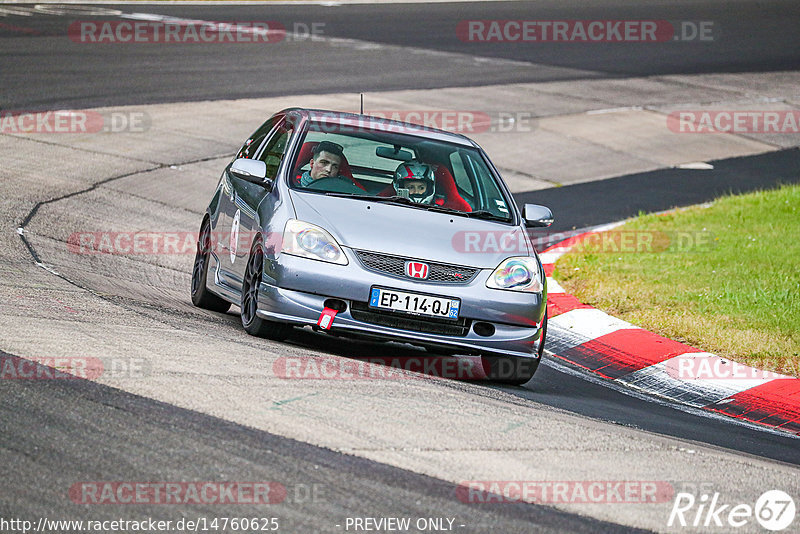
x=40, y=70
x=45, y=422
x=322, y=486
x=589, y=204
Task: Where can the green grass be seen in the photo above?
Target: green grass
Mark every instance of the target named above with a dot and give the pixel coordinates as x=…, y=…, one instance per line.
x=723, y=278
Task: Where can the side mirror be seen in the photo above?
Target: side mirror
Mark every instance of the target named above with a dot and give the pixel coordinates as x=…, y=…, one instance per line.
x=537, y=216
x=251, y=170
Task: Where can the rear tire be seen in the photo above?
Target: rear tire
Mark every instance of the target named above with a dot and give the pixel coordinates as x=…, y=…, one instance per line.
x=252, y=323
x=201, y=296
x=514, y=370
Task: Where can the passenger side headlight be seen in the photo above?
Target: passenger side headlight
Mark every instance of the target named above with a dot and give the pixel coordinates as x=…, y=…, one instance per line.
x=310, y=241
x=517, y=274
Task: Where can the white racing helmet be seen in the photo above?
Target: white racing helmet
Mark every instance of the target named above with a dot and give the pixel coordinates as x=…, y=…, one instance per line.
x=414, y=170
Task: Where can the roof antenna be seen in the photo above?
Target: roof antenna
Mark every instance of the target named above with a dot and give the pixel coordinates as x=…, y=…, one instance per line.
x=362, y=103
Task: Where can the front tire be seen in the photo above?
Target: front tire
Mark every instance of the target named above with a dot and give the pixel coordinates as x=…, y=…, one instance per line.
x=252, y=323
x=201, y=296
x=511, y=369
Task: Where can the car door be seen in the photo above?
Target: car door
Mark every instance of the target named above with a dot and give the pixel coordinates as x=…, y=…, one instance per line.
x=247, y=197
x=226, y=230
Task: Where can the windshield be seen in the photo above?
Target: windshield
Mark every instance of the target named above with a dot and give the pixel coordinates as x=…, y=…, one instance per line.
x=409, y=170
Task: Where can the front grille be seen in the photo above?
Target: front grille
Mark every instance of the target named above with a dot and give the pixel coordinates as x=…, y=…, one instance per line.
x=429, y=325
x=395, y=266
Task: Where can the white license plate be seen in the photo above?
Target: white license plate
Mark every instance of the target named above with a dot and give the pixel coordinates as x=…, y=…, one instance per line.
x=389, y=299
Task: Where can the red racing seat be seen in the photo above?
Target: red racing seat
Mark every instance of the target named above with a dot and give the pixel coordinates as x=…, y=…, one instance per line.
x=446, y=186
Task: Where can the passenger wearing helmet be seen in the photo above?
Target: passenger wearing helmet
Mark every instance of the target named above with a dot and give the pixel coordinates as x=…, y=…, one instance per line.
x=414, y=179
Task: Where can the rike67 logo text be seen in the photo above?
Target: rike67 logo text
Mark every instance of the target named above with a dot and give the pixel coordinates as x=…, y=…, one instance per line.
x=774, y=510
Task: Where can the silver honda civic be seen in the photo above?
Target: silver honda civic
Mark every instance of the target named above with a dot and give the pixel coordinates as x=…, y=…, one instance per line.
x=360, y=226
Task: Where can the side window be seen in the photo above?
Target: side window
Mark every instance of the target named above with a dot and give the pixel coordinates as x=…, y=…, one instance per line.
x=275, y=149
x=488, y=194
x=250, y=146
x=460, y=174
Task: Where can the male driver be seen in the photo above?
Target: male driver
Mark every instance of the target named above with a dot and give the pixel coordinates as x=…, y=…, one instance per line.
x=415, y=180
x=325, y=161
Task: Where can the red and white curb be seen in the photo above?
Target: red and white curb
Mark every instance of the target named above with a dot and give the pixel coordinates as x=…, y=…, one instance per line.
x=616, y=350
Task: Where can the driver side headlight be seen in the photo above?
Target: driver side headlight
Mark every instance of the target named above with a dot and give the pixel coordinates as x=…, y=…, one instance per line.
x=517, y=274
x=310, y=241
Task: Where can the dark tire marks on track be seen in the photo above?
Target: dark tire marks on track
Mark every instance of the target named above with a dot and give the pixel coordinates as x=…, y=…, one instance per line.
x=43, y=68
x=73, y=430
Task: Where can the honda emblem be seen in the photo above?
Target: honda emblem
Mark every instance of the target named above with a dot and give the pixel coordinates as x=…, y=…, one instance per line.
x=417, y=269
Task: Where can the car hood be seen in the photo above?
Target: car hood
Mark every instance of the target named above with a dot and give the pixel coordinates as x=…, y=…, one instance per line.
x=410, y=232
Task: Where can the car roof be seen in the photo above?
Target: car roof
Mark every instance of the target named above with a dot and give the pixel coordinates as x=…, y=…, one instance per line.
x=378, y=123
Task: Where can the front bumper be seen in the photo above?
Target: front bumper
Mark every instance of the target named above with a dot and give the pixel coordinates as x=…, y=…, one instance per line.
x=294, y=290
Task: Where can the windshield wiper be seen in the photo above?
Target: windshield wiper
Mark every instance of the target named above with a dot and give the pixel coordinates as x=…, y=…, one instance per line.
x=345, y=195
x=488, y=215
x=399, y=200
x=441, y=209
x=480, y=214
